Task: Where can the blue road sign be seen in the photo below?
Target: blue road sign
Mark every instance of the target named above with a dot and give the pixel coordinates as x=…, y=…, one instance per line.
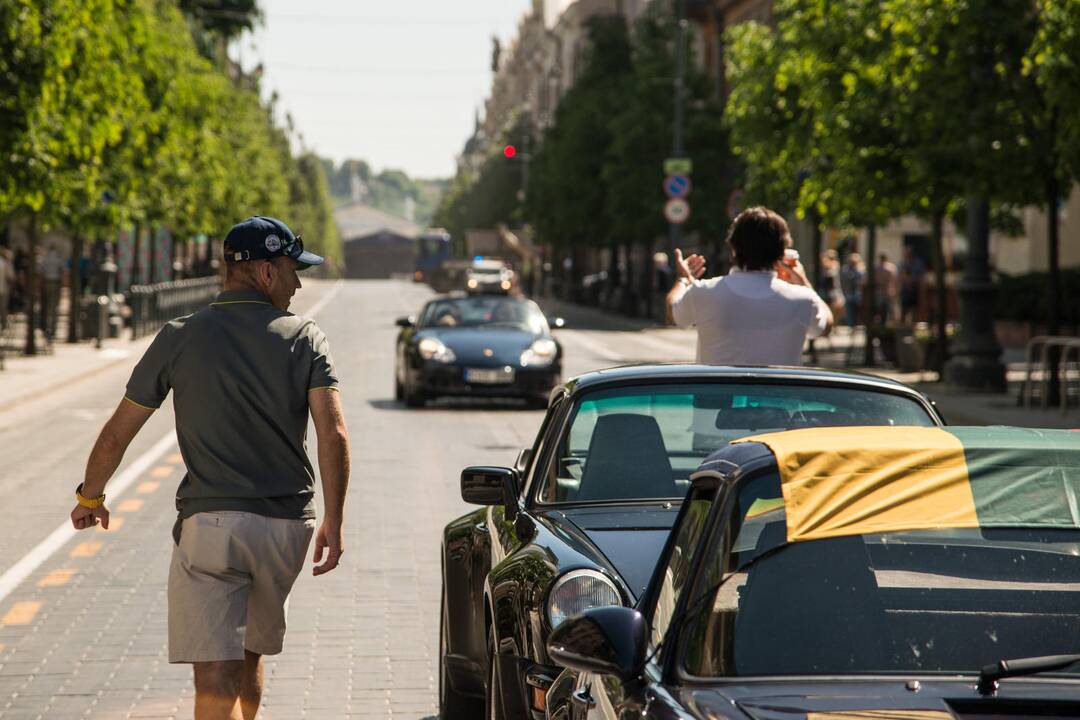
x=677, y=186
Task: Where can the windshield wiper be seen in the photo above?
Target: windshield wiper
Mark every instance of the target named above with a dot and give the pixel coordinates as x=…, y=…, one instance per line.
x=990, y=674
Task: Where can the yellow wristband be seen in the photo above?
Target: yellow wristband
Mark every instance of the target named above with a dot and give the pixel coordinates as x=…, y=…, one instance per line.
x=88, y=502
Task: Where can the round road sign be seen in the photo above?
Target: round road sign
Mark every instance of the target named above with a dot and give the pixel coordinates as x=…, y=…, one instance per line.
x=676, y=211
x=677, y=186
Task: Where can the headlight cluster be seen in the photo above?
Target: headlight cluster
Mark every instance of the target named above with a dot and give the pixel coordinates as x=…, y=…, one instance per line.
x=432, y=349
x=576, y=592
x=540, y=353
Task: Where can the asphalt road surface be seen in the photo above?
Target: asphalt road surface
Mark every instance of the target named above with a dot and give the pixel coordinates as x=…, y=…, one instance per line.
x=83, y=616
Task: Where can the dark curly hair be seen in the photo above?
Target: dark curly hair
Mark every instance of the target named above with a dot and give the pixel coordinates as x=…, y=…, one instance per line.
x=758, y=238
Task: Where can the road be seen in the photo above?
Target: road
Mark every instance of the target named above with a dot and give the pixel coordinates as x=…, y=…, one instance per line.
x=82, y=618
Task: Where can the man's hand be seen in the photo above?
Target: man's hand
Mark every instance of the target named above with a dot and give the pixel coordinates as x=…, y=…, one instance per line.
x=690, y=268
x=84, y=517
x=327, y=542
x=794, y=274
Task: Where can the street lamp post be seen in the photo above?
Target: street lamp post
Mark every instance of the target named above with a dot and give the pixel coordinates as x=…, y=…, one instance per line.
x=976, y=360
x=675, y=229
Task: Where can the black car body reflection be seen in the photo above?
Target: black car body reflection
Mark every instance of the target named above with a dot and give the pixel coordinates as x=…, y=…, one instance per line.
x=582, y=517
x=476, y=346
x=862, y=589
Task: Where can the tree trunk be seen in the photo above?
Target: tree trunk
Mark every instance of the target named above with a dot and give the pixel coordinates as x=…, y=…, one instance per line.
x=870, y=294
x=1053, y=317
x=152, y=255
x=76, y=289
x=31, y=287
x=136, y=255
x=937, y=250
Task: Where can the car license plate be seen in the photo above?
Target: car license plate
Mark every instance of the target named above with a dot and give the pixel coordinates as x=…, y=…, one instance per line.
x=486, y=376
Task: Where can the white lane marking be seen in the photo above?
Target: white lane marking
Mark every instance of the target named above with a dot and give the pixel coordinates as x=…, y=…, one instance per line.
x=25, y=567
x=58, y=537
x=325, y=299
x=596, y=348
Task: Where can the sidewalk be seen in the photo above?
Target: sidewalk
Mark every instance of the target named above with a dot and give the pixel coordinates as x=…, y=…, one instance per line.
x=25, y=378
x=959, y=407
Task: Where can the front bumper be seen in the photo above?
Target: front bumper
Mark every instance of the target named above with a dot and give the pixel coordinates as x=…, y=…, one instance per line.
x=450, y=380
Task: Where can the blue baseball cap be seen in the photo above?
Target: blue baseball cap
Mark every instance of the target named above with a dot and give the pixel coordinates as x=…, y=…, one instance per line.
x=262, y=238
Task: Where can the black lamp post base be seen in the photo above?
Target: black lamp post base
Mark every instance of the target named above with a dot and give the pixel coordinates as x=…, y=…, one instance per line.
x=976, y=372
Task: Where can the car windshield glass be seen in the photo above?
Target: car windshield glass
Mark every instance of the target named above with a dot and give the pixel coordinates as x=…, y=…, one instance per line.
x=643, y=442
x=926, y=601
x=484, y=310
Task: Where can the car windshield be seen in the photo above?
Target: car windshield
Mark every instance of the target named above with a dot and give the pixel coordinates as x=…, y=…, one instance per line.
x=484, y=310
x=643, y=442
x=926, y=601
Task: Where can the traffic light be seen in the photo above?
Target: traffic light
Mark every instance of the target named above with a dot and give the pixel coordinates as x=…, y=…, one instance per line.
x=509, y=151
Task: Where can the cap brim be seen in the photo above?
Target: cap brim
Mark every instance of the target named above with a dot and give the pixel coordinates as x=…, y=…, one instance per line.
x=307, y=259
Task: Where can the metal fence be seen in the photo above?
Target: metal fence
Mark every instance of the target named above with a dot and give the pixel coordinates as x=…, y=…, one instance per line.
x=154, y=305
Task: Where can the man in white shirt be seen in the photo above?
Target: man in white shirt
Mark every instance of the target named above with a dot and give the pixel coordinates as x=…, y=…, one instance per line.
x=750, y=316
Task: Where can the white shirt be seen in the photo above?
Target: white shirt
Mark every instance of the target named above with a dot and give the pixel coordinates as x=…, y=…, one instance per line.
x=751, y=318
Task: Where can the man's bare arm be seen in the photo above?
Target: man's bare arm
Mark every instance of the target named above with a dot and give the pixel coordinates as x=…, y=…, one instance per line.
x=334, y=462
x=112, y=443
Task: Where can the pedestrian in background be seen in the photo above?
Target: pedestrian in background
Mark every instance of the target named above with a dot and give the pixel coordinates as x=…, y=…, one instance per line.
x=51, y=272
x=830, y=282
x=887, y=285
x=912, y=273
x=245, y=374
x=7, y=284
x=852, y=278
x=749, y=316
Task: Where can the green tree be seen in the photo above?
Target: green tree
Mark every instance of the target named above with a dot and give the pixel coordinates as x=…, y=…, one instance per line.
x=566, y=200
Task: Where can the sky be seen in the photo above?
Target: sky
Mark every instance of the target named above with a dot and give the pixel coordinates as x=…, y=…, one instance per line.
x=394, y=83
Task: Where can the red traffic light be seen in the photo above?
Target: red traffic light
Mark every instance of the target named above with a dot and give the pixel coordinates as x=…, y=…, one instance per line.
x=509, y=151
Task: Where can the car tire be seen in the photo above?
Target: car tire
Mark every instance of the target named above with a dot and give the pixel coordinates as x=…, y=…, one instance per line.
x=493, y=700
x=452, y=704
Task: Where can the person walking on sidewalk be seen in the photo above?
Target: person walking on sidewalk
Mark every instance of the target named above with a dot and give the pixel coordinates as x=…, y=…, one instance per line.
x=245, y=375
x=750, y=316
x=51, y=272
x=7, y=284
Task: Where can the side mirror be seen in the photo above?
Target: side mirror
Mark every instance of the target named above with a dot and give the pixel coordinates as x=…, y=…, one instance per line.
x=487, y=485
x=605, y=640
x=556, y=322
x=405, y=322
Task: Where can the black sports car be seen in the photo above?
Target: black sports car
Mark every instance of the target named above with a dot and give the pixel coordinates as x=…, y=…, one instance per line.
x=476, y=346
x=904, y=573
x=581, y=519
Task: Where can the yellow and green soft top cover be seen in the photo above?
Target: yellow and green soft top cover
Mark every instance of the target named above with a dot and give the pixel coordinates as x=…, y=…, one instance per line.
x=857, y=480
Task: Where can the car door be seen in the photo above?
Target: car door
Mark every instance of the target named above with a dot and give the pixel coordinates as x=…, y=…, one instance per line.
x=607, y=698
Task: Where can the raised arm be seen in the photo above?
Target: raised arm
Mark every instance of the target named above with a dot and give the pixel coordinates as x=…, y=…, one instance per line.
x=108, y=451
x=333, y=442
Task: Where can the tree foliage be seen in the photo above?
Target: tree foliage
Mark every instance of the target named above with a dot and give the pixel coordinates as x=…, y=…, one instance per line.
x=110, y=115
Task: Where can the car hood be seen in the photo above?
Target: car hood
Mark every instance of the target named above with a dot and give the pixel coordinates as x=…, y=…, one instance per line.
x=470, y=343
x=630, y=537
x=929, y=699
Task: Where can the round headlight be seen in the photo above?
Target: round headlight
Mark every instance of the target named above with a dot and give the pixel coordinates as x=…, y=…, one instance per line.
x=432, y=349
x=541, y=352
x=577, y=591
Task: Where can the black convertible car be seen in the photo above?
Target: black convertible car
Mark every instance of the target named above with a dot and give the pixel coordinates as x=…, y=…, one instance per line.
x=582, y=517
x=476, y=346
x=845, y=573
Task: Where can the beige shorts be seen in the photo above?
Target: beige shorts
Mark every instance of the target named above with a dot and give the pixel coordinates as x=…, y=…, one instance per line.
x=229, y=584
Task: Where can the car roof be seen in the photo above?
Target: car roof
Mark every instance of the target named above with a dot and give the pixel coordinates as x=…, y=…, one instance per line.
x=647, y=372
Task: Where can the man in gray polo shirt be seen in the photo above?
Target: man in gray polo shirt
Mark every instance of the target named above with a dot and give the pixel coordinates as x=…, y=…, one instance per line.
x=245, y=373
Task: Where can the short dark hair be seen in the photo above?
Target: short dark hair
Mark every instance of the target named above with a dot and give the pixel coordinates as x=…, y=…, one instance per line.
x=758, y=238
